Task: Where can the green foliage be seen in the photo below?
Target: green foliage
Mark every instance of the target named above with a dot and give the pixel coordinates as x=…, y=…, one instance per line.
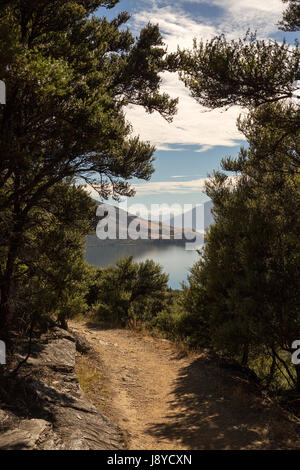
x=68, y=74
x=128, y=291
x=245, y=289
x=291, y=17
x=246, y=286
x=67, y=84
x=180, y=325
x=244, y=72
x=50, y=274
x=271, y=130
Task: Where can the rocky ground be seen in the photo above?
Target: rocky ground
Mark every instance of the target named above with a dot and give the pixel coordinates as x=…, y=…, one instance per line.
x=50, y=410
x=140, y=393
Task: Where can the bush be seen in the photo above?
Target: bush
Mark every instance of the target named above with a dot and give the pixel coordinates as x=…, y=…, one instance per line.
x=128, y=291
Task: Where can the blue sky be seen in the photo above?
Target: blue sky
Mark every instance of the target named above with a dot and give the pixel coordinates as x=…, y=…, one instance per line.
x=192, y=146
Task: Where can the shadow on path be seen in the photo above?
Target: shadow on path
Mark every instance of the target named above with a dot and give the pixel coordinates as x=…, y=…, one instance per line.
x=216, y=408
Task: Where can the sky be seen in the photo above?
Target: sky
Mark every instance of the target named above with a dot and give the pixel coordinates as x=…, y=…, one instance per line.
x=192, y=146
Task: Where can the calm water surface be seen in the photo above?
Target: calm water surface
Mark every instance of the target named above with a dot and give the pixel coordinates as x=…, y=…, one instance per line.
x=175, y=260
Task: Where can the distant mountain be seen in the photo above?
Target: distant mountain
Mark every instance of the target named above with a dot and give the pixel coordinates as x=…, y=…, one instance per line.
x=199, y=218
x=124, y=222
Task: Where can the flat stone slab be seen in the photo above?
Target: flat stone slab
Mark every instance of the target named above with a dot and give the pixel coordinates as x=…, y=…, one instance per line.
x=26, y=436
x=74, y=423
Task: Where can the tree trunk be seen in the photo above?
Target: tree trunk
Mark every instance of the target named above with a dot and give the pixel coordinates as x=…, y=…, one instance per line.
x=5, y=309
x=272, y=370
x=6, y=301
x=245, y=355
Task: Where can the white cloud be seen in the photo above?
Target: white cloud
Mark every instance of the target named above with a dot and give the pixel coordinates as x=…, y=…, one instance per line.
x=204, y=148
x=238, y=15
x=158, y=187
x=177, y=27
x=177, y=187
x=173, y=187
x=192, y=126
x=169, y=148
x=271, y=7
x=257, y=15
x=184, y=176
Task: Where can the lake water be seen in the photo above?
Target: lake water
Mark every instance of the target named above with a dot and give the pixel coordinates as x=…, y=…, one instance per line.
x=175, y=260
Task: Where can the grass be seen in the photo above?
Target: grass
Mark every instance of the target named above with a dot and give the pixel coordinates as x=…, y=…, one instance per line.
x=261, y=364
x=259, y=361
x=93, y=381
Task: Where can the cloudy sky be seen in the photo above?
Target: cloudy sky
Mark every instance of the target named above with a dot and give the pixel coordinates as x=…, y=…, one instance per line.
x=192, y=146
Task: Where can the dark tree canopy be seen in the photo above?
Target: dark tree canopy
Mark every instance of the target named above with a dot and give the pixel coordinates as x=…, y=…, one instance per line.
x=129, y=291
x=68, y=80
x=69, y=75
x=246, y=72
x=245, y=289
x=291, y=17
x=249, y=72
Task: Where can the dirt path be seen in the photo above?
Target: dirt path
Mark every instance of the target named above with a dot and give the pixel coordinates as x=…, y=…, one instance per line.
x=165, y=401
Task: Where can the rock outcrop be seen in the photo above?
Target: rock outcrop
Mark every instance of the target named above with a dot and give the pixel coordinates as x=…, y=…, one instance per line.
x=62, y=416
